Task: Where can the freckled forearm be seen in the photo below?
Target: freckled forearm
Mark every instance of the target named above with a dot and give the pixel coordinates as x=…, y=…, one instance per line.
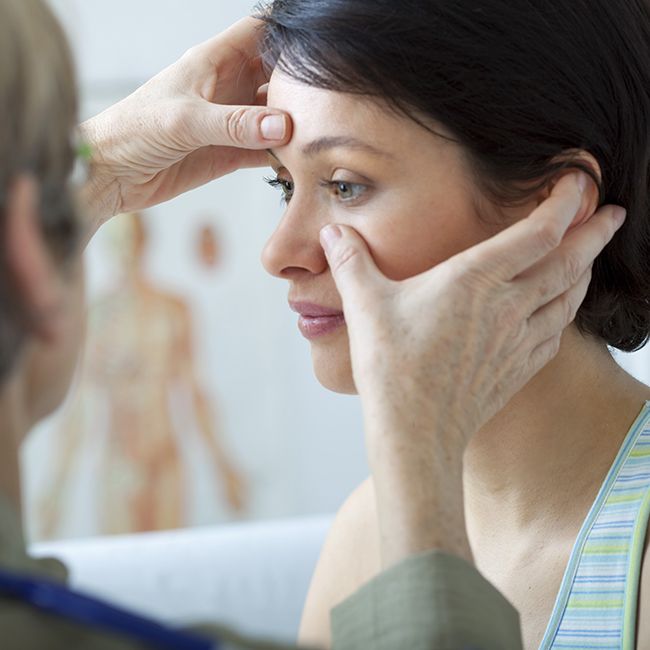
x=419, y=496
x=418, y=518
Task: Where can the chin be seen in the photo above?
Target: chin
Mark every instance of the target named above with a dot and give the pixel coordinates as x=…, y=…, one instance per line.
x=332, y=365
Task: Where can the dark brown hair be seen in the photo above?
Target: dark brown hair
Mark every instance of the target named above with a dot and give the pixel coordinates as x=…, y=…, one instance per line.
x=522, y=85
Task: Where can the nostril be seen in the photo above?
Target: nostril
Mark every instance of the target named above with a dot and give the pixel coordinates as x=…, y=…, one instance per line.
x=293, y=272
x=294, y=249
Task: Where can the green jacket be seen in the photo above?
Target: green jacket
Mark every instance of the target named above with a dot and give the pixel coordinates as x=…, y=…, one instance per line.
x=430, y=601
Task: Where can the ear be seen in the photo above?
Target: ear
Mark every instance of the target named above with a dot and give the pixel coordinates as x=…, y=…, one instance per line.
x=591, y=196
x=29, y=264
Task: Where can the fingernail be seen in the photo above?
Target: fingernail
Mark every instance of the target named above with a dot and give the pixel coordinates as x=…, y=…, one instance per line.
x=582, y=181
x=329, y=236
x=620, y=214
x=273, y=127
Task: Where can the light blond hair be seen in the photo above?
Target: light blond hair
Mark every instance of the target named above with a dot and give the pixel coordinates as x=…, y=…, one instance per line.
x=38, y=112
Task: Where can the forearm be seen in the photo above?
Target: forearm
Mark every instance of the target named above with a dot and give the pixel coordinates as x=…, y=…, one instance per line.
x=418, y=487
x=420, y=511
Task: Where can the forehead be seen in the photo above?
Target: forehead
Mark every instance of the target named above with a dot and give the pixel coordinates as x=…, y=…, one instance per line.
x=317, y=112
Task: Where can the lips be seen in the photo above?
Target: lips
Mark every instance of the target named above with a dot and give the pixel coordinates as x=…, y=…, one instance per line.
x=315, y=320
x=312, y=310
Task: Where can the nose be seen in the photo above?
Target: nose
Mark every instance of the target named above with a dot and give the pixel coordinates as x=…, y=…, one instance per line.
x=294, y=248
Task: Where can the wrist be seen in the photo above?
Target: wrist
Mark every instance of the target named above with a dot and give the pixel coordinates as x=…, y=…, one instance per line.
x=419, y=497
x=100, y=195
x=419, y=518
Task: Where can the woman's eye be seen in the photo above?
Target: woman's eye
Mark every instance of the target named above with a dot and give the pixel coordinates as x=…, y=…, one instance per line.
x=284, y=185
x=347, y=191
x=344, y=190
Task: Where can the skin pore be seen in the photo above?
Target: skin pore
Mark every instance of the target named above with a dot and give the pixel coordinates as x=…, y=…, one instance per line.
x=532, y=472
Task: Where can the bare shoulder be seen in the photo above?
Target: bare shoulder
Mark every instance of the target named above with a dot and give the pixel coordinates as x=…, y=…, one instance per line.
x=349, y=558
x=643, y=615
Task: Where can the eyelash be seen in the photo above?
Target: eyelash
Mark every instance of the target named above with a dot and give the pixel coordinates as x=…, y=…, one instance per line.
x=278, y=183
x=281, y=183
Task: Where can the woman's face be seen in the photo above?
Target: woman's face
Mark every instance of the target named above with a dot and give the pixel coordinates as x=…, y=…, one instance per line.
x=407, y=192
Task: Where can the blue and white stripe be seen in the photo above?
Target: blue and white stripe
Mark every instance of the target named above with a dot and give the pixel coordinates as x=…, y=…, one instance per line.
x=596, y=606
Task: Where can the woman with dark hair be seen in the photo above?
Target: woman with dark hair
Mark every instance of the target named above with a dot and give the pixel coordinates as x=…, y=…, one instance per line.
x=428, y=126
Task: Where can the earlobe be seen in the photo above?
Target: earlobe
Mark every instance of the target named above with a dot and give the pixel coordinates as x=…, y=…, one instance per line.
x=29, y=263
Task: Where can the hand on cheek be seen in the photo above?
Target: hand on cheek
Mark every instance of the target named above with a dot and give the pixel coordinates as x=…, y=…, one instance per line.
x=437, y=355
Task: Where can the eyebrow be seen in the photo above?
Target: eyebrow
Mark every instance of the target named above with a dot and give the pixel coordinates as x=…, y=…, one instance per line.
x=325, y=144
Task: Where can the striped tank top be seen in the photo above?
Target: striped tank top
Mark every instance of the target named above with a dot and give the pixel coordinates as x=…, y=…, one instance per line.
x=596, y=606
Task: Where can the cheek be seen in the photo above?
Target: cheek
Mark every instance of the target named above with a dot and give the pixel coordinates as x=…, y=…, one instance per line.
x=413, y=239
x=52, y=368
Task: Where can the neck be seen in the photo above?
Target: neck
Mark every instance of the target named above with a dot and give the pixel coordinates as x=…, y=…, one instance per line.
x=12, y=430
x=541, y=460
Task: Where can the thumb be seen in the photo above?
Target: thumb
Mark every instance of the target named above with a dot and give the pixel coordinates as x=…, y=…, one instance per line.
x=353, y=269
x=247, y=127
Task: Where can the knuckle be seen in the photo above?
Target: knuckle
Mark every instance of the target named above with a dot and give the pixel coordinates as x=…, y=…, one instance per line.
x=581, y=290
x=343, y=258
x=195, y=55
x=587, y=276
x=190, y=52
x=236, y=125
x=473, y=265
x=188, y=61
x=549, y=235
x=549, y=351
x=460, y=272
x=544, y=354
x=467, y=261
x=555, y=346
x=569, y=309
x=471, y=270
x=545, y=289
x=509, y=314
x=573, y=267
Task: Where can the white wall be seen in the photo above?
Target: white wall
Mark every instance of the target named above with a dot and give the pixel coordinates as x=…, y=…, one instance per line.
x=125, y=41
x=637, y=363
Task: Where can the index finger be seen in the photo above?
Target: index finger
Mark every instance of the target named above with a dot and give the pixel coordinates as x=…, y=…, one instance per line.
x=526, y=242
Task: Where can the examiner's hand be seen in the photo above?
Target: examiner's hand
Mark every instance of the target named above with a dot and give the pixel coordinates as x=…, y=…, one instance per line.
x=188, y=125
x=436, y=356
